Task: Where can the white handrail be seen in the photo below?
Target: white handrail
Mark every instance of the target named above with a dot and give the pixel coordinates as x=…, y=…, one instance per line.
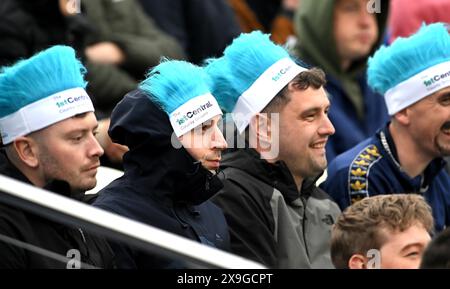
x=165, y=240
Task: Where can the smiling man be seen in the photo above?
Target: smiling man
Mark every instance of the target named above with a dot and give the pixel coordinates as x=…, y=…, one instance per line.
x=405, y=155
x=339, y=36
x=48, y=128
x=277, y=216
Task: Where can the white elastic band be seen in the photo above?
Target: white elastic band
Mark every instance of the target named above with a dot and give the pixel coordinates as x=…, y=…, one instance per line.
x=193, y=113
x=44, y=112
x=263, y=90
x=417, y=87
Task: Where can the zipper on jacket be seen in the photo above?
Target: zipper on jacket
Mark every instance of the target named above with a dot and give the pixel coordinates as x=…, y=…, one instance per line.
x=304, y=201
x=82, y=235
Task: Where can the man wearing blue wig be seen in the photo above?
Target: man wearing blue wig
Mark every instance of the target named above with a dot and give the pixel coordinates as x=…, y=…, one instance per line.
x=170, y=126
x=406, y=155
x=276, y=214
x=48, y=128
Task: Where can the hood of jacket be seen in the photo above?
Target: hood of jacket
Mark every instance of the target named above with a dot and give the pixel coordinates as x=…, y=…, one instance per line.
x=156, y=163
x=275, y=174
x=316, y=44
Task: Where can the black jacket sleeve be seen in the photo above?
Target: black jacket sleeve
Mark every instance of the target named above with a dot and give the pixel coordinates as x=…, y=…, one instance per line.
x=251, y=232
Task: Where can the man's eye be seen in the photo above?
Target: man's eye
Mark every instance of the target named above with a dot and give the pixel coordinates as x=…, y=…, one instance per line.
x=445, y=100
x=412, y=254
x=76, y=138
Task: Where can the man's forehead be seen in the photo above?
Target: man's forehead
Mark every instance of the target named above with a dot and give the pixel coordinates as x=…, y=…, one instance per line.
x=85, y=121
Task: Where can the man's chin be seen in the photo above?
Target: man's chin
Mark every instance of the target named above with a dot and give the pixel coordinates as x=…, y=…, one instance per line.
x=319, y=167
x=88, y=186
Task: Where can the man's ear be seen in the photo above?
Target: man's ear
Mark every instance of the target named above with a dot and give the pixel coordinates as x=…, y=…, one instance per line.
x=27, y=151
x=260, y=124
x=402, y=116
x=357, y=261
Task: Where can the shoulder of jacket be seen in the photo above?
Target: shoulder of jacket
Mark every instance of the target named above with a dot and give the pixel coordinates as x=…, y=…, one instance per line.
x=359, y=171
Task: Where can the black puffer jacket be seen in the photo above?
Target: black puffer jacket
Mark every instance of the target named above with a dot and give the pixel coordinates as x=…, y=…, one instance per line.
x=162, y=186
x=29, y=228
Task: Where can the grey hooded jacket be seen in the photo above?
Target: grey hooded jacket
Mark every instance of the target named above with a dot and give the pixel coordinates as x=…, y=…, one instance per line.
x=270, y=221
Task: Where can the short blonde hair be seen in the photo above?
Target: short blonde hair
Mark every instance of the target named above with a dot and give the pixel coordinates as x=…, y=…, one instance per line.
x=359, y=228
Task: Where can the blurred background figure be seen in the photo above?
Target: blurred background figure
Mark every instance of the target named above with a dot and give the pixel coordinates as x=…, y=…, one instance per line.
x=127, y=44
x=406, y=17
x=203, y=28
x=269, y=16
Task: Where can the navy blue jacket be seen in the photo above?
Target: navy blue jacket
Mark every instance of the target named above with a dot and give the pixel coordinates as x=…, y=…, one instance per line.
x=162, y=186
x=369, y=169
x=350, y=129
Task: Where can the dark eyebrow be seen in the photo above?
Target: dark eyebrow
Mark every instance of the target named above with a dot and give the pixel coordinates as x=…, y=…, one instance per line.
x=444, y=95
x=311, y=110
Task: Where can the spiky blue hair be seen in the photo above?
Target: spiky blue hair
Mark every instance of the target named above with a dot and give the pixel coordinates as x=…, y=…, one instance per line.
x=220, y=83
x=243, y=62
x=407, y=57
x=48, y=72
x=173, y=82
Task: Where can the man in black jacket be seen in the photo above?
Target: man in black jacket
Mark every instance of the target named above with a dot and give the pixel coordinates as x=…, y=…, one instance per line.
x=48, y=131
x=276, y=214
x=167, y=181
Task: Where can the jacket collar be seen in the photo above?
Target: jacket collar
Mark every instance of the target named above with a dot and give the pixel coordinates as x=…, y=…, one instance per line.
x=275, y=174
x=390, y=150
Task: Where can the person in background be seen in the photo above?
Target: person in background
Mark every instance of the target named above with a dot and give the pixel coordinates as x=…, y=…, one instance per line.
x=203, y=28
x=406, y=17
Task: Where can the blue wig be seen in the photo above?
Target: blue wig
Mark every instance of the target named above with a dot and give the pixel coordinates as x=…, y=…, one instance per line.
x=174, y=82
x=220, y=83
x=407, y=57
x=243, y=62
x=48, y=72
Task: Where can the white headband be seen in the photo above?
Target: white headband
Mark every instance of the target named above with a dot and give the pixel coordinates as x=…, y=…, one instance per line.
x=417, y=87
x=44, y=112
x=193, y=113
x=263, y=90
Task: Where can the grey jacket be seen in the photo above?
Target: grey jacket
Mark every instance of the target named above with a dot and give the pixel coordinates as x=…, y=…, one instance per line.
x=269, y=220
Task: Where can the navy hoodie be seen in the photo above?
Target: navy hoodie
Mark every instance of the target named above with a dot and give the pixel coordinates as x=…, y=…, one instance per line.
x=162, y=186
